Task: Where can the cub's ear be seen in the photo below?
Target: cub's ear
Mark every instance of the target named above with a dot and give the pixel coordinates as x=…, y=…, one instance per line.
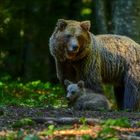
x=80, y=84
x=85, y=25
x=61, y=24
x=67, y=82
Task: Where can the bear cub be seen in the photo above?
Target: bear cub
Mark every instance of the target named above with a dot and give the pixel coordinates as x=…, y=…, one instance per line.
x=81, y=98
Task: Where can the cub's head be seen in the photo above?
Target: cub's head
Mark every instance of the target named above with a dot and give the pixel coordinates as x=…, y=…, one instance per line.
x=70, y=40
x=74, y=90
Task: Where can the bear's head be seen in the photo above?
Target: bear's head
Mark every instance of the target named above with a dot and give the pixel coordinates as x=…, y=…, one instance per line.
x=71, y=39
x=74, y=90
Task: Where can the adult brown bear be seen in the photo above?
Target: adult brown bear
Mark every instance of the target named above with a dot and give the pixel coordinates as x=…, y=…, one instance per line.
x=113, y=59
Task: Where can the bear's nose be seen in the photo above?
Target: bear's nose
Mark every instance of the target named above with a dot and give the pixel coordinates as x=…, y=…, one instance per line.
x=74, y=47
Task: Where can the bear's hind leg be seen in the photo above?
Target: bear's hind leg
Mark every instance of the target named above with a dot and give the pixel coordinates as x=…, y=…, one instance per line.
x=132, y=89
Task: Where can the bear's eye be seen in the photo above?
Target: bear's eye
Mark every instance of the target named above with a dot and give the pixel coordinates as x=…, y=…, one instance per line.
x=68, y=36
x=79, y=37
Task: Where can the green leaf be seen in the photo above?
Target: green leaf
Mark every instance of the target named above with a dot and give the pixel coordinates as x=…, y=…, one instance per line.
x=31, y=137
x=86, y=11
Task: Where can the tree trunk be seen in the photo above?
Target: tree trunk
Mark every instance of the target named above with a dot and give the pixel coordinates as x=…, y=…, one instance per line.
x=99, y=11
x=126, y=18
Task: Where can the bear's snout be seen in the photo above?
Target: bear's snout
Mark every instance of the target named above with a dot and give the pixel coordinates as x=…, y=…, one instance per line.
x=73, y=45
x=68, y=97
x=73, y=48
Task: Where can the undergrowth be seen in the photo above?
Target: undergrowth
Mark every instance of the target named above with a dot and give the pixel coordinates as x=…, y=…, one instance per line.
x=32, y=94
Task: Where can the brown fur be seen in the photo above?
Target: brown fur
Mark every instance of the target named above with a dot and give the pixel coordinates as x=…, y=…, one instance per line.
x=112, y=59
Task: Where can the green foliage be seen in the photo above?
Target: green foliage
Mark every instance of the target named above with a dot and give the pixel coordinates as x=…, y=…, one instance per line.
x=138, y=124
x=108, y=132
x=23, y=122
x=87, y=137
x=83, y=120
x=86, y=11
x=109, y=93
x=31, y=137
x=35, y=93
x=10, y=136
x=122, y=122
x=49, y=130
x=20, y=134
x=84, y=123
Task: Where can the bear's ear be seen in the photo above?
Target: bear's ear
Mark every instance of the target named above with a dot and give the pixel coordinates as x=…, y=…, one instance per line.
x=67, y=82
x=85, y=25
x=80, y=84
x=61, y=24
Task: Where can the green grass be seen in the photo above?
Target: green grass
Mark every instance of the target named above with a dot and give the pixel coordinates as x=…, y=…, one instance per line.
x=32, y=94
x=36, y=93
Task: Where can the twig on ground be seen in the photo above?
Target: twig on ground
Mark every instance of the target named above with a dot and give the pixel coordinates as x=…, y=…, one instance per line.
x=66, y=120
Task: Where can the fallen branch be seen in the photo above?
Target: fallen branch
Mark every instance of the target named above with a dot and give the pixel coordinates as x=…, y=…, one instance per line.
x=130, y=137
x=66, y=120
x=126, y=129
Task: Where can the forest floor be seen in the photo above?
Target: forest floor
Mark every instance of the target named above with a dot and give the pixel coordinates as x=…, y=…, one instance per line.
x=11, y=120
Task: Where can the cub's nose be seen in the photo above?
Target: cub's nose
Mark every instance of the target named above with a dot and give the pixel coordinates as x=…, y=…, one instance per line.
x=68, y=98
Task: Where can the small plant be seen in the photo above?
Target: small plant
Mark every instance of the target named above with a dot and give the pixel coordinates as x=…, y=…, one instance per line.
x=84, y=123
x=83, y=120
x=49, y=131
x=122, y=122
x=87, y=137
x=10, y=136
x=108, y=132
x=138, y=124
x=23, y=122
x=20, y=134
x=31, y=137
